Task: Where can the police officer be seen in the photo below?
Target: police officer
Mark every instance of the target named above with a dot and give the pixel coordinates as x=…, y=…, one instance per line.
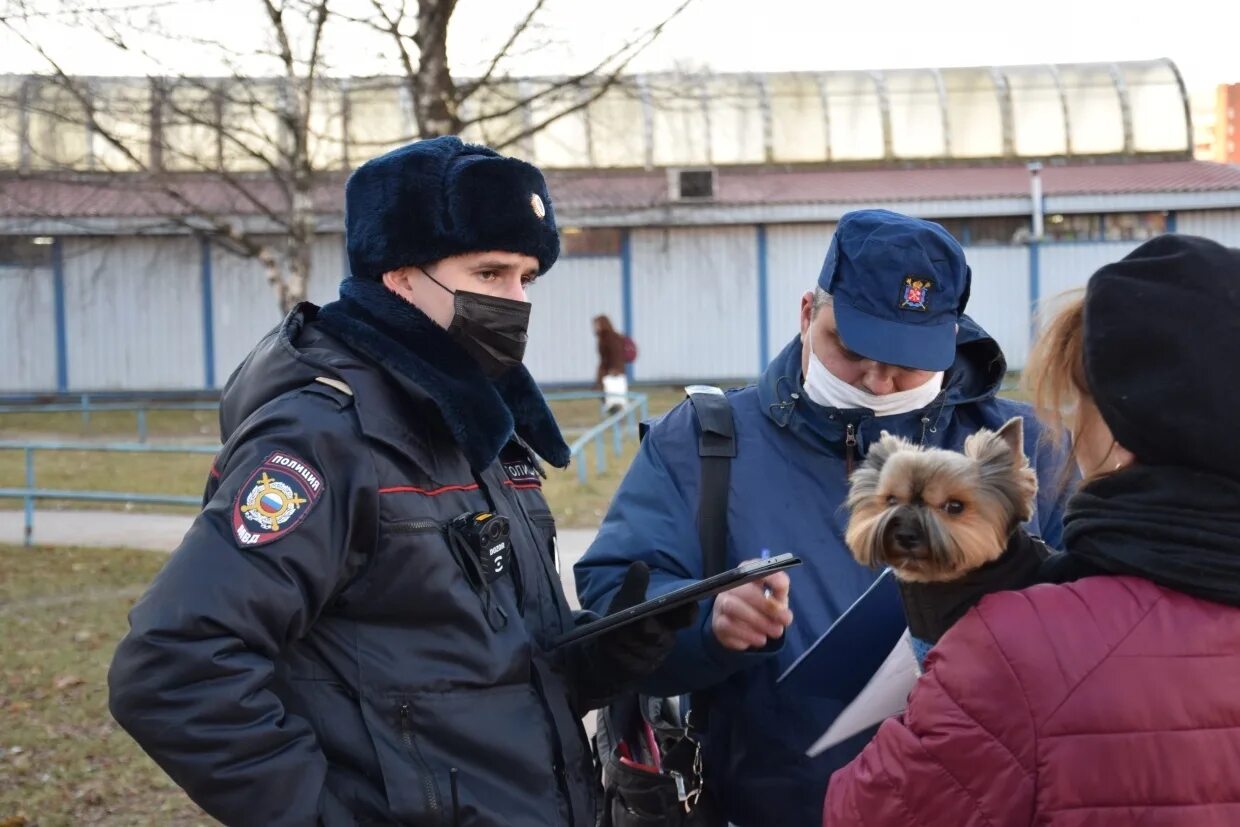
x=356, y=628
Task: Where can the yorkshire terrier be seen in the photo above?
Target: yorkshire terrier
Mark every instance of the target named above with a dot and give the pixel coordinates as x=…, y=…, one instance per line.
x=934, y=515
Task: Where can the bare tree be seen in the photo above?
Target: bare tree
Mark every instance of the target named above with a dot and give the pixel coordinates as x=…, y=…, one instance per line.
x=264, y=122
x=266, y=135
x=420, y=40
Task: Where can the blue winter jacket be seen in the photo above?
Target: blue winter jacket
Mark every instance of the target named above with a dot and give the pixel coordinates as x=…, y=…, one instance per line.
x=788, y=485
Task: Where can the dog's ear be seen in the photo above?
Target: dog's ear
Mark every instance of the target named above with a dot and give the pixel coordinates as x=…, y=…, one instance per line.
x=1013, y=433
x=1008, y=441
x=882, y=450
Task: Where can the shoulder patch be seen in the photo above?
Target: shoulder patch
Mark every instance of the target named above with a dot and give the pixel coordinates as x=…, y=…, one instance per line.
x=275, y=499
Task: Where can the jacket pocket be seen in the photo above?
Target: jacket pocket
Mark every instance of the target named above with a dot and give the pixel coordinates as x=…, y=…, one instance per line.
x=544, y=525
x=496, y=739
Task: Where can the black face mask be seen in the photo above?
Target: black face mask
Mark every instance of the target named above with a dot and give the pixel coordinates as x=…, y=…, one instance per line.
x=492, y=330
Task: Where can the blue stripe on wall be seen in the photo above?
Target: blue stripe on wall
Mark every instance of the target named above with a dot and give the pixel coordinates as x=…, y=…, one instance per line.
x=764, y=355
x=208, y=317
x=626, y=290
x=1171, y=222
x=58, y=298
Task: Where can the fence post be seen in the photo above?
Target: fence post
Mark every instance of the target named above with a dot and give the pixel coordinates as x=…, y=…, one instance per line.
x=617, y=431
x=600, y=454
x=581, y=468
x=28, y=500
x=142, y=424
x=86, y=411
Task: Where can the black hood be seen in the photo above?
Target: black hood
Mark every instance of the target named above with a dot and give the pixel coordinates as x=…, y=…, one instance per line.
x=979, y=368
x=290, y=356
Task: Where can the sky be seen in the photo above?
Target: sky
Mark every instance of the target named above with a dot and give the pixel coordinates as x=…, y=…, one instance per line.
x=1201, y=36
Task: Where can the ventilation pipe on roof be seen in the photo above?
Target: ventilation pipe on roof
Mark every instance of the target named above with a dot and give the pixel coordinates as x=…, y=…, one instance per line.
x=1035, y=194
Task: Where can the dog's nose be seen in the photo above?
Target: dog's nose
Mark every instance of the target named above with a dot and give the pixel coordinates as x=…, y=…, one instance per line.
x=907, y=539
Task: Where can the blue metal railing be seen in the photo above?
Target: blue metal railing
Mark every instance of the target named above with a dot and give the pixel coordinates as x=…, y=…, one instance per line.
x=87, y=406
x=30, y=493
x=617, y=425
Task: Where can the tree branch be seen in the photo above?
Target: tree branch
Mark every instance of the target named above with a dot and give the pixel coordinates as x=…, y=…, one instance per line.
x=468, y=89
x=633, y=48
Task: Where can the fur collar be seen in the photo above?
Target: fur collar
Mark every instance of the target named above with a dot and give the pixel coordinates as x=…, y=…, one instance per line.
x=482, y=415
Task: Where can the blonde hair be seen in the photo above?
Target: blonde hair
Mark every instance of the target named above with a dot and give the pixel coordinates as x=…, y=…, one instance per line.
x=1054, y=376
x=1055, y=379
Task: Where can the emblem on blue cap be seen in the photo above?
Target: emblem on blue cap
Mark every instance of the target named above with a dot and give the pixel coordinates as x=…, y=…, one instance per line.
x=540, y=209
x=913, y=293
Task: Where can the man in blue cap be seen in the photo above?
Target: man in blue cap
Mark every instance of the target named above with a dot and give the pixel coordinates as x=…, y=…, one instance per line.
x=357, y=629
x=884, y=345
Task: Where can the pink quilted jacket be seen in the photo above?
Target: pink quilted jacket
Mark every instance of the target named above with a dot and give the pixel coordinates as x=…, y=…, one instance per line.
x=1108, y=701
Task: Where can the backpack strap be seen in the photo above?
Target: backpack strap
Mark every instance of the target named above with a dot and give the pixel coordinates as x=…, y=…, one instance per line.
x=717, y=448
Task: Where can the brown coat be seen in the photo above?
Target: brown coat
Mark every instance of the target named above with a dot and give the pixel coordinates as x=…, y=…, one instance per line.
x=610, y=350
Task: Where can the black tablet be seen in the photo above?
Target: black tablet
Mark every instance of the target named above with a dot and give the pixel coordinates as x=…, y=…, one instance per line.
x=744, y=573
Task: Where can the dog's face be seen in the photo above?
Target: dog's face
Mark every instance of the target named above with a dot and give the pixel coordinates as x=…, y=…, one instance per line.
x=934, y=515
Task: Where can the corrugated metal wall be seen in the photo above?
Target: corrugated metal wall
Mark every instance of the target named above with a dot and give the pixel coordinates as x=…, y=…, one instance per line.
x=28, y=331
x=562, y=348
x=695, y=303
x=328, y=267
x=244, y=306
x=794, y=258
x=1066, y=267
x=999, y=300
x=133, y=313
x=133, y=306
x=1221, y=225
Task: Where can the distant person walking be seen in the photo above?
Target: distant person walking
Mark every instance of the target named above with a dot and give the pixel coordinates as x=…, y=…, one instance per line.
x=611, y=378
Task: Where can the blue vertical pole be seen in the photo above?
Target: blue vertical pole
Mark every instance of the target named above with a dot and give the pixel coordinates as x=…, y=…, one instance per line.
x=1171, y=222
x=58, y=299
x=626, y=291
x=208, y=317
x=28, y=501
x=764, y=350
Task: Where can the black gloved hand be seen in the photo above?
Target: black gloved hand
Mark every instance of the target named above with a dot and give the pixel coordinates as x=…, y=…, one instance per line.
x=632, y=652
x=932, y=608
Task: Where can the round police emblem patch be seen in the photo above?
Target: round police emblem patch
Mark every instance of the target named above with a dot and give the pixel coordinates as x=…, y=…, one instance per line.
x=275, y=499
x=536, y=203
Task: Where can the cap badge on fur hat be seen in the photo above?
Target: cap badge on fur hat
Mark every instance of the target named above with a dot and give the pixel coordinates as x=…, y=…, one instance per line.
x=540, y=209
x=913, y=293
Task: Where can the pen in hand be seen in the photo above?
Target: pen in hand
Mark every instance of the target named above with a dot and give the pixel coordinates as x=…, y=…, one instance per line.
x=766, y=589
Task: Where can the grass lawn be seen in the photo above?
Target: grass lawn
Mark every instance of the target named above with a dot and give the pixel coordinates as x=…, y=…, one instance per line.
x=63, y=761
x=118, y=426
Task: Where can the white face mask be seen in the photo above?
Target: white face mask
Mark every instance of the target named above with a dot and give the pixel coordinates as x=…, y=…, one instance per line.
x=826, y=389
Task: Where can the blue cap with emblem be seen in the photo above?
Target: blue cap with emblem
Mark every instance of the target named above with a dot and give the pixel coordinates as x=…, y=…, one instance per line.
x=899, y=286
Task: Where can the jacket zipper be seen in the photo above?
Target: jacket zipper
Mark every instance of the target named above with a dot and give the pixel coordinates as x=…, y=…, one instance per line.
x=428, y=779
x=850, y=446
x=558, y=760
x=415, y=527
